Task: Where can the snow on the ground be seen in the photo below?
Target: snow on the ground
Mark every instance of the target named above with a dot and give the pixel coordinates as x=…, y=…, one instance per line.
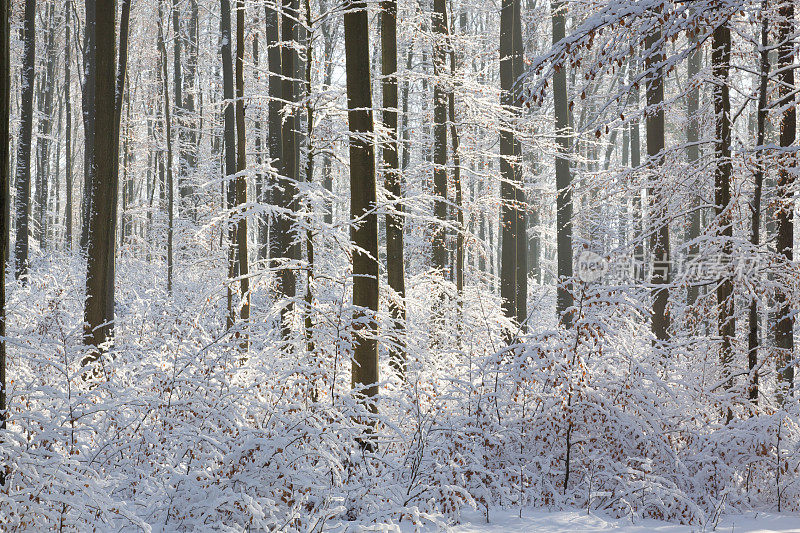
x=505, y=521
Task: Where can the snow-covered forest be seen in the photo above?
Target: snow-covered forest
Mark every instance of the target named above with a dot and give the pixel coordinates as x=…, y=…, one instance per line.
x=312, y=265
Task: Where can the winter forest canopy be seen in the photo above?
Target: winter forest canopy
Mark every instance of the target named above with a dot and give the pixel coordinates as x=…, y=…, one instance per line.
x=317, y=264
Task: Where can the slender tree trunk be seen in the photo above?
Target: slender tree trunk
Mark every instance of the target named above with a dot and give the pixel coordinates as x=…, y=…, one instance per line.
x=5, y=199
x=289, y=247
x=726, y=323
x=363, y=234
x=89, y=114
x=45, y=128
x=262, y=228
x=241, y=165
x=395, y=264
x=274, y=140
x=177, y=83
x=99, y=309
x=758, y=178
x=513, y=268
x=784, y=337
x=693, y=152
x=439, y=26
x=162, y=47
x=309, y=297
x=68, y=129
x=122, y=69
x=189, y=111
x=654, y=123
x=563, y=176
x=230, y=143
x=23, y=170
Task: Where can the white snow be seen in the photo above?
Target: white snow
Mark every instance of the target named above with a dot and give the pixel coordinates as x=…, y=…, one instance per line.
x=540, y=521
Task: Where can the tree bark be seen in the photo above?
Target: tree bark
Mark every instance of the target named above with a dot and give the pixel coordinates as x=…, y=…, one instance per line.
x=513, y=268
x=654, y=124
x=758, y=178
x=68, y=129
x=23, y=170
x=241, y=165
x=162, y=47
x=274, y=141
x=89, y=114
x=563, y=176
x=395, y=264
x=693, y=152
x=99, y=308
x=230, y=143
x=726, y=323
x=5, y=199
x=784, y=245
x=289, y=249
x=364, y=231
x=439, y=27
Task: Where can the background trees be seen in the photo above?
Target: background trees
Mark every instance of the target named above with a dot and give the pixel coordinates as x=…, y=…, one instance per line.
x=352, y=233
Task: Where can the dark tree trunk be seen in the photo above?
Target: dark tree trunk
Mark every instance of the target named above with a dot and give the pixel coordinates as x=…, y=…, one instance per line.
x=693, y=152
x=439, y=27
x=68, y=129
x=99, y=309
x=726, y=323
x=395, y=265
x=23, y=170
x=189, y=113
x=5, y=199
x=364, y=235
x=563, y=176
x=45, y=128
x=513, y=268
x=654, y=124
x=274, y=141
x=162, y=47
x=230, y=143
x=241, y=165
x=309, y=297
x=289, y=249
x=784, y=341
x=758, y=178
x=89, y=114
x=177, y=83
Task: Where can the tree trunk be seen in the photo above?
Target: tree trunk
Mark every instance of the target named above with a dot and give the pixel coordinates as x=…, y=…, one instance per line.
x=693, y=152
x=162, y=47
x=5, y=199
x=230, y=143
x=726, y=323
x=439, y=27
x=45, y=128
x=287, y=190
x=177, y=82
x=23, y=170
x=68, y=129
x=364, y=234
x=99, y=309
x=241, y=165
x=89, y=114
x=784, y=341
x=654, y=124
x=513, y=268
x=309, y=297
x=274, y=140
x=563, y=176
x=395, y=264
x=122, y=68
x=758, y=178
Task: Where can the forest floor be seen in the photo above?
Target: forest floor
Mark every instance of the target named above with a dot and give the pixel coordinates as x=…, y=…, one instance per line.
x=540, y=521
